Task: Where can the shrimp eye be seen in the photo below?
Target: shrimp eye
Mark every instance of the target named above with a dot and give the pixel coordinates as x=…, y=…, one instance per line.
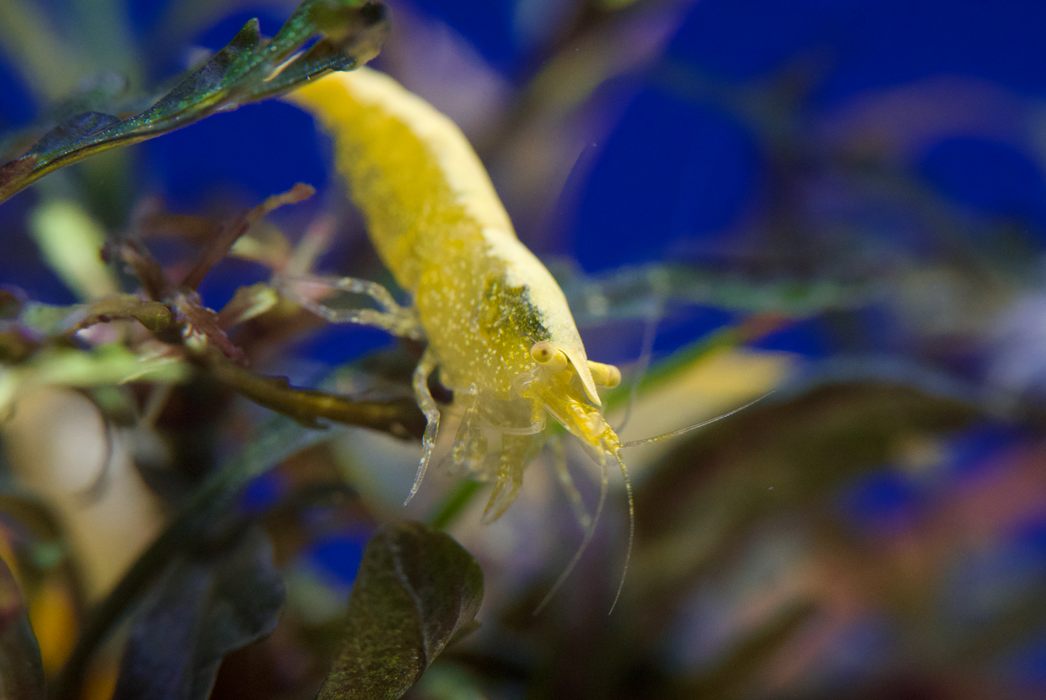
x=545, y=353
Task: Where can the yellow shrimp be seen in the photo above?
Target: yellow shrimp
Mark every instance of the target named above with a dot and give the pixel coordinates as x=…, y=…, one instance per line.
x=497, y=324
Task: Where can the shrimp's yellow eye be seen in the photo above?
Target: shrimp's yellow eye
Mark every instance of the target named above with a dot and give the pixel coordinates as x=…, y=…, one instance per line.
x=543, y=351
x=547, y=354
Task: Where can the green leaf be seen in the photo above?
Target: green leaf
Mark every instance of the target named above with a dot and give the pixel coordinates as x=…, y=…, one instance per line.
x=56, y=321
x=248, y=69
x=415, y=590
x=70, y=239
x=21, y=669
x=635, y=293
x=210, y=602
x=67, y=367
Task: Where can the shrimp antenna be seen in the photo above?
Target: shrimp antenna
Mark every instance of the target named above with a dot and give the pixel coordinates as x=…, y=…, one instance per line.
x=604, y=485
x=584, y=543
x=631, y=529
x=659, y=438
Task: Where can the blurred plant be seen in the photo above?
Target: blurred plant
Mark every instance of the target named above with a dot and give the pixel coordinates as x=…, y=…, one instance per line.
x=873, y=529
x=213, y=574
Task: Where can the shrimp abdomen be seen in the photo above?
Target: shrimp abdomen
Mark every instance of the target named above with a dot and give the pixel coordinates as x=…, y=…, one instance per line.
x=412, y=173
x=438, y=225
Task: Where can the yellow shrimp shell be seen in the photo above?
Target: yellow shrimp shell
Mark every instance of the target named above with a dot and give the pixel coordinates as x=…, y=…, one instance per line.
x=482, y=297
x=440, y=228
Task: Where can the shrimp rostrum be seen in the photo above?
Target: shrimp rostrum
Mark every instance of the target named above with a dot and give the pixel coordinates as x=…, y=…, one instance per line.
x=496, y=323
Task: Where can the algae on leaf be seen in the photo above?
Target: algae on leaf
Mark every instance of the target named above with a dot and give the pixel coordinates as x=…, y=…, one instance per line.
x=415, y=590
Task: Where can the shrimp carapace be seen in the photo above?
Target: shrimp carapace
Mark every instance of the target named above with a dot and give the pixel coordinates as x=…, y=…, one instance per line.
x=497, y=324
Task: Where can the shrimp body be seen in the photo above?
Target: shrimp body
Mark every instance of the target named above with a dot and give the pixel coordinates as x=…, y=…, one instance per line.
x=497, y=324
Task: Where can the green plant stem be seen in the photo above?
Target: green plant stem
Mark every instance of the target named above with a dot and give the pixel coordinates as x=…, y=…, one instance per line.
x=453, y=505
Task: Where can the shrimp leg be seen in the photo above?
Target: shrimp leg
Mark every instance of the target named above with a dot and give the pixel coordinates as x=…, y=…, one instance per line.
x=516, y=453
x=398, y=320
x=470, y=445
x=427, y=404
x=567, y=482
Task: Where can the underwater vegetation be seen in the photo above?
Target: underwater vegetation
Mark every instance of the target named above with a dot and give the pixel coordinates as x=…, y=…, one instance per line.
x=567, y=227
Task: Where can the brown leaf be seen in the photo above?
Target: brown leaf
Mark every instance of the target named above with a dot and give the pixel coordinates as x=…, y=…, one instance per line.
x=231, y=232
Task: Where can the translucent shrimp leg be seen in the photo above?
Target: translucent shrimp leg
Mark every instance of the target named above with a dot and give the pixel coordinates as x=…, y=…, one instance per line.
x=516, y=453
x=470, y=445
x=559, y=454
x=427, y=404
x=398, y=320
x=604, y=485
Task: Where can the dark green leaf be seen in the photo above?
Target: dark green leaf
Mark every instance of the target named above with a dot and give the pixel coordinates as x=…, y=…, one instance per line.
x=207, y=604
x=416, y=588
x=248, y=69
x=21, y=669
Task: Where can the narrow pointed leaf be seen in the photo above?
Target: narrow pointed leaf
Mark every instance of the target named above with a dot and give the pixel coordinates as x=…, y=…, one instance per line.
x=248, y=69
